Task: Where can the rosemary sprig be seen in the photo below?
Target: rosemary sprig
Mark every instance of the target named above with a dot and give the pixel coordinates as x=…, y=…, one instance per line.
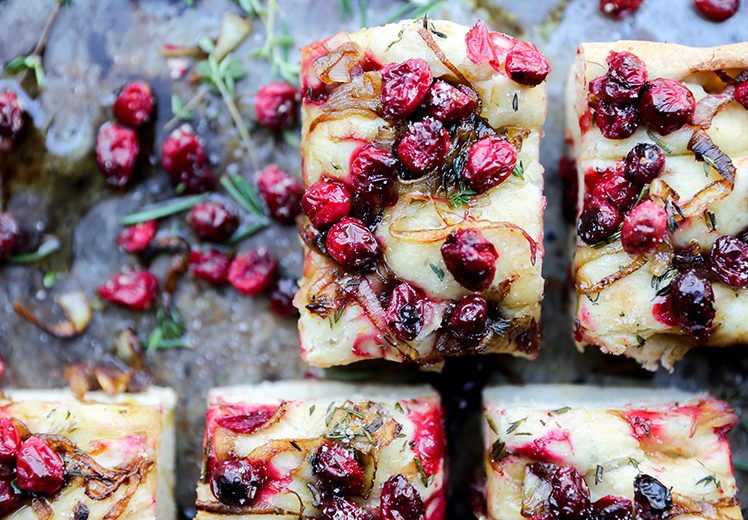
x=345, y=9
x=461, y=196
x=50, y=245
x=659, y=142
x=246, y=232
x=740, y=465
x=221, y=76
x=277, y=48
x=243, y=193
x=171, y=207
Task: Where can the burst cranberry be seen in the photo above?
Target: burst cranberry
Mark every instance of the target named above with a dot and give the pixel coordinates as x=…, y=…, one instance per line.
x=570, y=496
x=692, y=303
x=247, y=423
x=117, y=151
x=423, y=145
x=598, y=221
x=10, y=441
x=211, y=265
x=469, y=318
x=184, y=159
x=281, y=193
x=352, y=245
x=717, y=10
x=644, y=228
x=626, y=69
x=666, y=105
x=606, y=91
x=610, y=507
x=253, y=272
x=741, y=93
x=39, y=469
x=343, y=509
x=619, y=9
x=281, y=297
x=729, y=259
x=134, y=105
x=480, y=46
x=373, y=172
x=212, y=221
x=401, y=500
x=10, y=499
x=471, y=259
x=652, y=499
x=405, y=312
x=617, y=121
x=326, y=202
x=134, y=290
x=644, y=163
x=10, y=235
x=337, y=470
x=276, y=104
x=11, y=116
x=616, y=189
x=526, y=65
x=235, y=482
x=489, y=162
x=136, y=238
x=448, y=103
x=404, y=87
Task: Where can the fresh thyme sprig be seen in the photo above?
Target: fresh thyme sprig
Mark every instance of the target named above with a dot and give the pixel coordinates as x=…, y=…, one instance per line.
x=243, y=193
x=277, y=48
x=169, y=330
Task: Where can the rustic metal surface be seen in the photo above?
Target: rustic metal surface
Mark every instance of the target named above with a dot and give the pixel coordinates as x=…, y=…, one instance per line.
x=51, y=182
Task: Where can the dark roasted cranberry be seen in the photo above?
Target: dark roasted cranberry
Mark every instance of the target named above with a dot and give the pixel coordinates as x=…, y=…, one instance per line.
x=612, y=508
x=211, y=265
x=644, y=163
x=11, y=116
x=651, y=498
x=404, y=87
x=10, y=499
x=717, y=10
x=615, y=93
x=136, y=238
x=729, y=258
x=617, y=121
x=619, y=9
x=448, y=103
x=212, y=221
x=10, y=441
x=281, y=193
x=490, y=161
x=276, y=104
x=326, y=202
x=235, y=482
x=598, y=221
x=117, y=151
x=39, y=469
x=625, y=68
x=423, y=145
x=570, y=187
x=247, y=423
x=470, y=258
x=570, y=496
x=134, y=105
x=350, y=243
x=253, y=272
x=184, y=159
x=337, y=470
x=134, y=290
x=644, y=228
x=281, y=297
x=401, y=500
x=405, y=312
x=666, y=105
x=741, y=93
x=692, y=303
x=10, y=235
x=373, y=173
x=616, y=189
x=686, y=258
x=343, y=509
x=469, y=318
x=526, y=65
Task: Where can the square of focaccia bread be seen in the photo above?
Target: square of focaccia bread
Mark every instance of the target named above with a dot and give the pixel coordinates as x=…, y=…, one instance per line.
x=118, y=452
x=322, y=449
x=349, y=313
x=666, y=269
x=593, y=451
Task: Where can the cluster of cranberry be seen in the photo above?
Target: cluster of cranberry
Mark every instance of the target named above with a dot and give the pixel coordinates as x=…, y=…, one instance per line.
x=28, y=467
x=714, y=10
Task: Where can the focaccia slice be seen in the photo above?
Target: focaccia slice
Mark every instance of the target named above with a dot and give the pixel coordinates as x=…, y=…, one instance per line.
x=316, y=449
x=424, y=195
x=607, y=453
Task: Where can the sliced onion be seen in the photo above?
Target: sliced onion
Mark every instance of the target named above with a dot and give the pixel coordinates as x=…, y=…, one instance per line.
x=704, y=148
x=336, y=65
x=700, y=202
x=75, y=307
x=609, y=280
x=709, y=105
x=426, y=35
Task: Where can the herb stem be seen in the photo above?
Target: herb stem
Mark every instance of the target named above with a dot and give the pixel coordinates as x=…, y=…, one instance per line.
x=49, y=246
x=41, y=44
x=172, y=207
x=247, y=232
x=189, y=106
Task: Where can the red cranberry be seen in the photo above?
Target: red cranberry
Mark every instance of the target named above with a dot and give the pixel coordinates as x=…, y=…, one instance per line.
x=626, y=69
x=10, y=499
x=351, y=244
x=136, y=238
x=134, y=105
x=480, y=46
x=617, y=121
x=729, y=259
x=598, y=221
x=277, y=104
x=184, y=159
x=401, y=500
x=692, y=303
x=39, y=469
x=343, y=509
x=666, y=105
x=606, y=91
x=11, y=115
x=423, y=145
x=211, y=265
x=489, y=162
x=281, y=297
x=526, y=65
x=644, y=163
x=134, y=290
x=337, y=470
x=246, y=423
x=469, y=318
x=448, y=103
x=611, y=507
x=717, y=10
x=253, y=272
x=212, y=221
x=10, y=441
x=281, y=193
x=405, y=311
x=619, y=9
x=117, y=151
x=741, y=93
x=652, y=499
x=570, y=496
x=235, y=482
x=471, y=259
x=615, y=189
x=10, y=235
x=644, y=228
x=326, y=202
x=404, y=87
x=373, y=172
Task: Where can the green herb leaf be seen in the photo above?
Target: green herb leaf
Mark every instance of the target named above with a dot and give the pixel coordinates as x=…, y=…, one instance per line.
x=438, y=271
x=425, y=479
x=665, y=148
x=177, y=108
x=515, y=102
x=50, y=245
x=519, y=170
x=561, y=411
x=462, y=196
x=598, y=475
x=413, y=10
x=709, y=479
x=246, y=232
x=492, y=424
x=516, y=424
x=498, y=451
x=166, y=209
x=49, y=280
x=640, y=340
x=345, y=9
x=243, y=193
x=169, y=330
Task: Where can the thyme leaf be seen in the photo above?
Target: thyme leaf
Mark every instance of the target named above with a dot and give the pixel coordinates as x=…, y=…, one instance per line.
x=438, y=271
x=161, y=210
x=50, y=245
x=659, y=142
x=519, y=170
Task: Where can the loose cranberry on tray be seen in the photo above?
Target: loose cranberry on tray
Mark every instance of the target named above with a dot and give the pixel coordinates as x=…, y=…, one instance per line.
x=717, y=10
x=135, y=289
x=281, y=297
x=11, y=118
x=213, y=221
x=184, y=159
x=277, y=104
x=253, y=272
x=210, y=265
x=136, y=238
x=134, y=104
x=281, y=194
x=117, y=151
x=10, y=235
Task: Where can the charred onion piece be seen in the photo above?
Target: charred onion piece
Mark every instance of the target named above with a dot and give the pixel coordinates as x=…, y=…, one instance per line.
x=705, y=149
x=336, y=65
x=424, y=33
x=609, y=280
x=709, y=105
x=75, y=307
